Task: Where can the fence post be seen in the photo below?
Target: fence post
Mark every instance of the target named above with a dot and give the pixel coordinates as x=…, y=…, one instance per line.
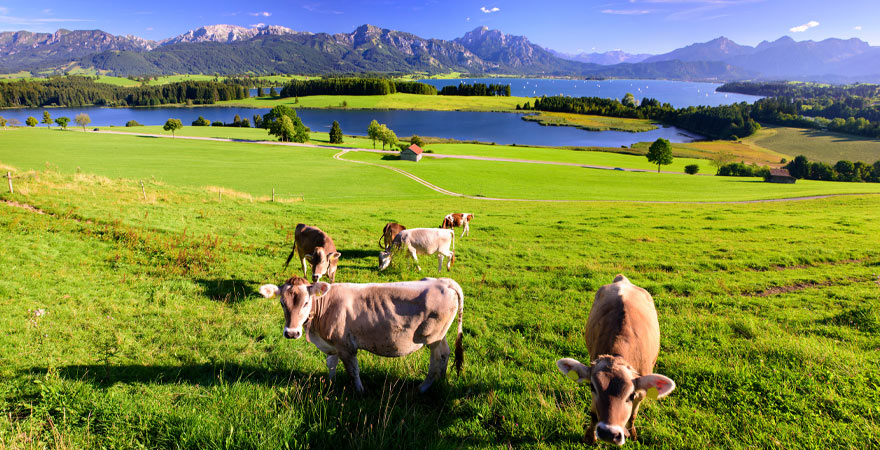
x=219, y=194
x=9, y=178
x=273, y=195
x=144, y=191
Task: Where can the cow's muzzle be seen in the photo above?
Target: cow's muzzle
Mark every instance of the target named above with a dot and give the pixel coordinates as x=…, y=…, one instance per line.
x=292, y=333
x=610, y=433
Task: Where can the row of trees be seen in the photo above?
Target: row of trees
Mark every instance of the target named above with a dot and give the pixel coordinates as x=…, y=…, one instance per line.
x=237, y=121
x=81, y=119
x=84, y=91
x=477, y=89
x=843, y=170
x=716, y=122
x=354, y=86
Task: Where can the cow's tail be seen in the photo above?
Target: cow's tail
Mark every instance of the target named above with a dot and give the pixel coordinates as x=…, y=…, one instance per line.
x=290, y=256
x=382, y=238
x=459, y=350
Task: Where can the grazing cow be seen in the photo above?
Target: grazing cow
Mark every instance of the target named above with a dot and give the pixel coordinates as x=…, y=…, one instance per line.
x=317, y=248
x=623, y=338
x=386, y=319
x=458, y=220
x=426, y=241
x=389, y=233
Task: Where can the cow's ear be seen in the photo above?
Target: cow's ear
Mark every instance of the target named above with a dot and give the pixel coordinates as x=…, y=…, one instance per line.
x=335, y=255
x=309, y=257
x=656, y=385
x=320, y=288
x=269, y=290
x=574, y=369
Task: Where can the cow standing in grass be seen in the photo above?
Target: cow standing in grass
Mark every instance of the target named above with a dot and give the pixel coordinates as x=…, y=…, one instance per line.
x=426, y=241
x=316, y=248
x=386, y=319
x=458, y=220
x=623, y=338
x=389, y=233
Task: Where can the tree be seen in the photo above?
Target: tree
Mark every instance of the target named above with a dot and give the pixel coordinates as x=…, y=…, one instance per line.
x=691, y=169
x=260, y=92
x=722, y=159
x=283, y=128
x=301, y=132
x=62, y=122
x=373, y=132
x=387, y=136
x=3, y=122
x=31, y=121
x=273, y=92
x=628, y=100
x=201, y=122
x=846, y=171
x=245, y=123
x=172, y=125
x=133, y=123
x=660, y=153
x=799, y=167
x=82, y=119
x=236, y=121
x=335, y=133
x=258, y=121
x=47, y=119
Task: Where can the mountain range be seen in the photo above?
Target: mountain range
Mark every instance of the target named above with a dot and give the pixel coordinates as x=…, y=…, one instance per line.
x=230, y=49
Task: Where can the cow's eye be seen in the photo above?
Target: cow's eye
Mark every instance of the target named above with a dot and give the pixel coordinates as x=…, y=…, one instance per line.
x=631, y=397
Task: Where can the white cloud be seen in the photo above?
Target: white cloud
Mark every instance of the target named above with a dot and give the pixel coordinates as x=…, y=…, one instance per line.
x=804, y=27
x=148, y=28
x=26, y=21
x=857, y=28
x=467, y=19
x=262, y=13
x=490, y=10
x=626, y=12
x=258, y=25
x=47, y=11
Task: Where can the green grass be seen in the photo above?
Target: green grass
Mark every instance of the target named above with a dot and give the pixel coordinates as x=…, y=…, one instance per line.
x=244, y=167
x=152, y=334
x=591, y=123
x=818, y=145
x=392, y=101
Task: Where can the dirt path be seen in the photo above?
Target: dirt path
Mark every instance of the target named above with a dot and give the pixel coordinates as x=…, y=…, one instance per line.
x=435, y=188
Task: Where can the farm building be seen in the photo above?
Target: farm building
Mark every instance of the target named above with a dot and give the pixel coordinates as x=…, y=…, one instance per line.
x=780, y=176
x=411, y=153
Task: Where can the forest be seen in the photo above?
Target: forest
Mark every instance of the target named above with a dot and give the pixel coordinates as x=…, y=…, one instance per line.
x=716, y=122
x=354, y=86
x=851, y=109
x=85, y=91
x=477, y=89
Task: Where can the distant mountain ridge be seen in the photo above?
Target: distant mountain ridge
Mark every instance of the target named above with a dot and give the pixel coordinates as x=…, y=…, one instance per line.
x=231, y=49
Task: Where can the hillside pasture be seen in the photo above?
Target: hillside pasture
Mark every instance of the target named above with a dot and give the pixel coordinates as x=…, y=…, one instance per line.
x=127, y=323
x=818, y=145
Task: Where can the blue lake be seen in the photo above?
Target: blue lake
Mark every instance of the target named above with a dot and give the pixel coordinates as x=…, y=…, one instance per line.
x=680, y=94
x=501, y=128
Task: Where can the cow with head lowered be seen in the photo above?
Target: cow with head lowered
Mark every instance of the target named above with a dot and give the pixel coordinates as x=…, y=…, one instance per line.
x=316, y=248
x=623, y=338
x=386, y=319
x=389, y=233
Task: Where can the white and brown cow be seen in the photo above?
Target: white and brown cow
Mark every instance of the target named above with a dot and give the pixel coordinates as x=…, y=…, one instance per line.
x=386, y=319
x=425, y=241
x=623, y=338
x=458, y=220
x=389, y=233
x=317, y=248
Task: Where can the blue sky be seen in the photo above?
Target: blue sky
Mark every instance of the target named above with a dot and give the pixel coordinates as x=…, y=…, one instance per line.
x=635, y=26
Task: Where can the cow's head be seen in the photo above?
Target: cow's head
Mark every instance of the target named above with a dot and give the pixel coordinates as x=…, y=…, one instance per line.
x=385, y=258
x=617, y=390
x=323, y=264
x=297, y=297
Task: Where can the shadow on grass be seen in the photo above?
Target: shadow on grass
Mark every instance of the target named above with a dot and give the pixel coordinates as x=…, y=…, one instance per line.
x=198, y=374
x=147, y=137
x=228, y=290
x=389, y=157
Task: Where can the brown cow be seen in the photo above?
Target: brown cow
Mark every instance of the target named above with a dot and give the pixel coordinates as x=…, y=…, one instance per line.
x=623, y=338
x=389, y=233
x=386, y=319
x=458, y=220
x=317, y=248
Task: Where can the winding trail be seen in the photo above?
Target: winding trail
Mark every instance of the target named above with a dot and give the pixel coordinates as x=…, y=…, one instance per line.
x=438, y=189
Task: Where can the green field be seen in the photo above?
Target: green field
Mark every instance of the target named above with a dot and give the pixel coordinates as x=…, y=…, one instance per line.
x=818, y=145
x=132, y=323
x=591, y=123
x=391, y=101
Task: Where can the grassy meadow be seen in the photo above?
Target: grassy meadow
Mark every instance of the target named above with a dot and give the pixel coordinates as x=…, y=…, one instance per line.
x=817, y=145
x=391, y=101
x=591, y=123
x=131, y=323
